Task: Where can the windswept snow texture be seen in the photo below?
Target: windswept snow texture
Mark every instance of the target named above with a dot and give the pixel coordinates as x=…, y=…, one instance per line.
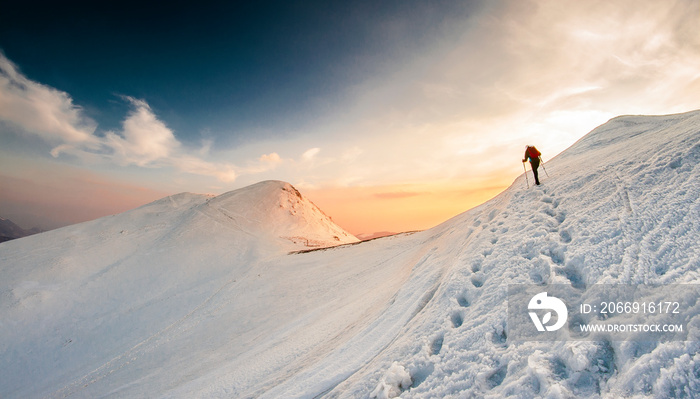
x=199, y=297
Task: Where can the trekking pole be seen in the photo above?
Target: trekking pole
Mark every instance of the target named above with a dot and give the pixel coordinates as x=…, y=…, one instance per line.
x=545, y=169
x=526, y=181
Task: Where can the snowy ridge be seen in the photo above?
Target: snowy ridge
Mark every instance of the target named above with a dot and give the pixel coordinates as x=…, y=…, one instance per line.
x=193, y=296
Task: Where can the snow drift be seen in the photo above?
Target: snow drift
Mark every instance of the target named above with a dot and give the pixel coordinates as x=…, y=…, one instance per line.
x=194, y=296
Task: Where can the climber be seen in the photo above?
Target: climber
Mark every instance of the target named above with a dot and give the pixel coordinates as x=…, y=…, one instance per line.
x=534, y=155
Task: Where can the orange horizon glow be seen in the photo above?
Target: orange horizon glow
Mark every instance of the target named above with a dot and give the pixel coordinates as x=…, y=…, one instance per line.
x=400, y=208
x=362, y=211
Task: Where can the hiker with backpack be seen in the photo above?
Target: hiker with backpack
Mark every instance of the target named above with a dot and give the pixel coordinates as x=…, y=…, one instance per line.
x=533, y=155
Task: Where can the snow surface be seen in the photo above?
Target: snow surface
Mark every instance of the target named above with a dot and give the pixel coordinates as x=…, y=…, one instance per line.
x=194, y=296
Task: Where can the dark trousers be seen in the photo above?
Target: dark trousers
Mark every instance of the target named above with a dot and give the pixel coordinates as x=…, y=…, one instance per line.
x=535, y=163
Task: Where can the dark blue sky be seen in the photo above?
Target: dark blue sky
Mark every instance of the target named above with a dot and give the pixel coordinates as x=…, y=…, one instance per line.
x=228, y=70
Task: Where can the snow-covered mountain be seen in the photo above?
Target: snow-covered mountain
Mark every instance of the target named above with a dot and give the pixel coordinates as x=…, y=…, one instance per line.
x=194, y=296
x=278, y=210
x=10, y=231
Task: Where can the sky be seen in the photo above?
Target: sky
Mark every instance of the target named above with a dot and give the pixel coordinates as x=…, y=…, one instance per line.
x=391, y=116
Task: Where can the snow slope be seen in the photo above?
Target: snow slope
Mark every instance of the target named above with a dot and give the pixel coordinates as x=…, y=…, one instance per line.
x=621, y=207
x=80, y=303
x=193, y=296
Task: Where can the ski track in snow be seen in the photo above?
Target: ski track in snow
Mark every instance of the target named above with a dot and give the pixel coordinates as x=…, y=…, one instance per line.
x=193, y=296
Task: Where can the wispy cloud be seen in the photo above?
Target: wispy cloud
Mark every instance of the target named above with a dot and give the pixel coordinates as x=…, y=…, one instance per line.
x=542, y=72
x=41, y=110
x=144, y=140
x=271, y=158
x=310, y=154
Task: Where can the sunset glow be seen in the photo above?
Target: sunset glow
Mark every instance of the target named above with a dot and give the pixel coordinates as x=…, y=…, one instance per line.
x=394, y=209
x=390, y=118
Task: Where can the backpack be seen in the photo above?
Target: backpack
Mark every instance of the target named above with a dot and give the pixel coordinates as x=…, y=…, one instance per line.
x=533, y=153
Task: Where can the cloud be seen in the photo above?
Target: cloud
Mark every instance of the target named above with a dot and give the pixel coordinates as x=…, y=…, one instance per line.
x=272, y=158
x=265, y=163
x=543, y=72
x=627, y=50
x=206, y=147
x=224, y=172
x=41, y=110
x=310, y=154
x=144, y=140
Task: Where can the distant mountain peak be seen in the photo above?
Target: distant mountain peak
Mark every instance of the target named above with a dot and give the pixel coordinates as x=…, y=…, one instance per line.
x=10, y=231
x=278, y=208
